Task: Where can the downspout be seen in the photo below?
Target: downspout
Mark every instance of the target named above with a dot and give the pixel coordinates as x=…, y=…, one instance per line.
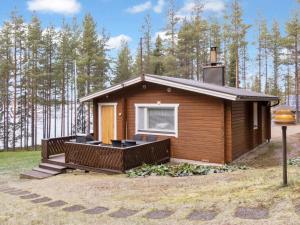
x=271, y=106
x=278, y=101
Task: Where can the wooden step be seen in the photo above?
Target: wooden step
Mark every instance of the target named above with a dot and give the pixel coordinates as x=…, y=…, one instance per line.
x=53, y=167
x=51, y=172
x=53, y=162
x=34, y=175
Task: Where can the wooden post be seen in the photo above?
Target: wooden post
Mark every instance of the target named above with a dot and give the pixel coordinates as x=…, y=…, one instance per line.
x=284, y=155
x=45, y=153
x=124, y=118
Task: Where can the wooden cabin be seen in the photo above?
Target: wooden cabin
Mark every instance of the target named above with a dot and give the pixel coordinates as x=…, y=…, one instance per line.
x=186, y=120
x=205, y=121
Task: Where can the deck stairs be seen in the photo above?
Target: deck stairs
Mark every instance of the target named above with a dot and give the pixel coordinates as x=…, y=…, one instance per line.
x=44, y=170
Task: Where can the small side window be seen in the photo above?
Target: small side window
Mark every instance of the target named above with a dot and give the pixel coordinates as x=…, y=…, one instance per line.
x=255, y=116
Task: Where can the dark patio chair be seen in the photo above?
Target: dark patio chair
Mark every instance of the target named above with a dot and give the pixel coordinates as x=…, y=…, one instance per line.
x=116, y=143
x=129, y=143
x=89, y=137
x=137, y=137
x=83, y=138
x=151, y=138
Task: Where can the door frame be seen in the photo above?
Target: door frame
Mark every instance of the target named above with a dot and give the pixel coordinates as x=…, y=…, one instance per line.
x=114, y=104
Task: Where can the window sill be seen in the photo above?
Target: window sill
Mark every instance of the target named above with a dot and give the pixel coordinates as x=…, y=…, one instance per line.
x=158, y=133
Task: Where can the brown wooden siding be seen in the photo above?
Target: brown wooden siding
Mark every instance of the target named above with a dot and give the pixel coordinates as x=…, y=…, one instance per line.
x=210, y=129
x=200, y=120
x=240, y=128
x=228, y=131
x=244, y=136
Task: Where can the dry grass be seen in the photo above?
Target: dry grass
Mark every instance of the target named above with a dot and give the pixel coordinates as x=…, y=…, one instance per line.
x=259, y=186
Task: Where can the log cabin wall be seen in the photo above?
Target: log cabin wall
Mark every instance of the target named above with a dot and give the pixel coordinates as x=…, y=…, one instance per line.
x=200, y=119
x=228, y=131
x=209, y=129
x=200, y=122
x=244, y=136
x=240, y=128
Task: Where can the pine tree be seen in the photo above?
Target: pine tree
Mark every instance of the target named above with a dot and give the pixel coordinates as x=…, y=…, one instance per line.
x=6, y=66
x=185, y=49
x=172, y=21
x=265, y=45
x=93, y=64
x=17, y=28
x=33, y=47
x=75, y=40
x=260, y=43
x=158, y=57
x=63, y=71
x=170, y=58
x=275, y=49
x=225, y=40
x=123, y=69
x=147, y=45
x=49, y=53
x=137, y=65
x=201, y=39
x=238, y=30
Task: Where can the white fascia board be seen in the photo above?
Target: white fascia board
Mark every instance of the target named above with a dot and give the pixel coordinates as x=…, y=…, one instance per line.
x=111, y=89
x=190, y=88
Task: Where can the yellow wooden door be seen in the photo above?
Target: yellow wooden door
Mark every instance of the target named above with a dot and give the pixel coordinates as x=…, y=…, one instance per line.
x=107, y=120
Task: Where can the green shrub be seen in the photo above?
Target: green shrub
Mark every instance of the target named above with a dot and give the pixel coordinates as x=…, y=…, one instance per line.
x=294, y=161
x=180, y=170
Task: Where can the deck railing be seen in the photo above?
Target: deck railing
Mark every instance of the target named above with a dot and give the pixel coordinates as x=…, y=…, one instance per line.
x=116, y=159
x=150, y=153
x=54, y=146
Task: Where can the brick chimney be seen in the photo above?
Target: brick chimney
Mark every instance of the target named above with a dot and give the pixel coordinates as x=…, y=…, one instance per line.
x=214, y=73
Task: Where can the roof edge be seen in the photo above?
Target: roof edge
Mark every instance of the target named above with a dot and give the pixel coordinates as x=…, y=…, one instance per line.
x=111, y=89
x=156, y=80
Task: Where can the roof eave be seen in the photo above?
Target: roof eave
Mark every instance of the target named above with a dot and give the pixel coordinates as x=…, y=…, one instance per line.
x=111, y=89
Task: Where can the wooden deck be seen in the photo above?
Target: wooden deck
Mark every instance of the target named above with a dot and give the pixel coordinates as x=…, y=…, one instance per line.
x=106, y=159
x=58, y=158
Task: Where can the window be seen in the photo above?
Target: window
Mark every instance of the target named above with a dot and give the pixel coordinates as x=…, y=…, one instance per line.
x=255, y=116
x=158, y=119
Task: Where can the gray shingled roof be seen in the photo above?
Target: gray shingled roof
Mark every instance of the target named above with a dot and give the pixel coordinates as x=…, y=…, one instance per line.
x=224, y=92
x=240, y=93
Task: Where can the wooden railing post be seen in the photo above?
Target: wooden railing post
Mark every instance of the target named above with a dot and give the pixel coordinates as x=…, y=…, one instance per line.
x=45, y=152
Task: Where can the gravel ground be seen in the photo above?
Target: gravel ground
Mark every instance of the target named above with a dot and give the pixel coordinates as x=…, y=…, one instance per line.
x=221, y=195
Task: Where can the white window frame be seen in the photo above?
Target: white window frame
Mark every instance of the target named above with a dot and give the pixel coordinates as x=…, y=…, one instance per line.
x=155, y=132
x=114, y=104
x=255, y=115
